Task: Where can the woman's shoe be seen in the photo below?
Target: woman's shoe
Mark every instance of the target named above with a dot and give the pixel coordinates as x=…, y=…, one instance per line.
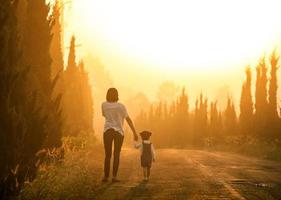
x=104, y=180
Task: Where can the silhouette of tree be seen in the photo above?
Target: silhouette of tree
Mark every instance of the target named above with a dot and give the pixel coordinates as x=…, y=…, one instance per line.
x=261, y=105
x=181, y=119
x=56, y=53
x=167, y=91
x=200, y=121
x=273, y=118
x=77, y=102
x=22, y=123
x=36, y=42
x=273, y=85
x=246, y=105
x=230, y=120
x=215, y=126
x=87, y=100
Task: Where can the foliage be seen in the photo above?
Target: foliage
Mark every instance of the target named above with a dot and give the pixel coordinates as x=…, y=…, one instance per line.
x=175, y=126
x=70, y=179
x=77, y=101
x=31, y=120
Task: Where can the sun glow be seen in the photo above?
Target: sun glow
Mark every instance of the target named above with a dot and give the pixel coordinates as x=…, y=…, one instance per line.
x=175, y=34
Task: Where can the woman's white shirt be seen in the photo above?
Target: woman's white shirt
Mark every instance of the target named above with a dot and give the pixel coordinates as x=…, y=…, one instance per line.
x=114, y=114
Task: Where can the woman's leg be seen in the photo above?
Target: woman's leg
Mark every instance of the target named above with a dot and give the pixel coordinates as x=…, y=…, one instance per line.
x=118, y=141
x=107, y=141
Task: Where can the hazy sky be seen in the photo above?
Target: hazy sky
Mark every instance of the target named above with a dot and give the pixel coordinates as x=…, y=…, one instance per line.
x=202, y=44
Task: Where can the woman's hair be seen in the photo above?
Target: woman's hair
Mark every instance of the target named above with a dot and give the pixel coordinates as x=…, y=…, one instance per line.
x=112, y=95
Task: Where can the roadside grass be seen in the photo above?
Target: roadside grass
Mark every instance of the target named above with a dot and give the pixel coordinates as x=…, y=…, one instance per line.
x=72, y=178
x=248, y=146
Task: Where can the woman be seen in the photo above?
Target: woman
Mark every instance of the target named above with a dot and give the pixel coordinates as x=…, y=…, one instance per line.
x=114, y=114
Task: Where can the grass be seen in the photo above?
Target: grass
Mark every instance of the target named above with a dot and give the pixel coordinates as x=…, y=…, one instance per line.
x=249, y=146
x=69, y=179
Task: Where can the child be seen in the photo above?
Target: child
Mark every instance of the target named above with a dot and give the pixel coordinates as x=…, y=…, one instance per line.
x=147, y=153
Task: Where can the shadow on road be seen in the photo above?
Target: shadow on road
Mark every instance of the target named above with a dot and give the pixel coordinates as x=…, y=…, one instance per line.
x=140, y=190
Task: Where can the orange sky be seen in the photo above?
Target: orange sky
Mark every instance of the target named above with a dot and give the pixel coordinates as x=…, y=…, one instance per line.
x=202, y=44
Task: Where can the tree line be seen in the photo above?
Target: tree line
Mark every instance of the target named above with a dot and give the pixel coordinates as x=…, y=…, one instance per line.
x=176, y=125
x=41, y=100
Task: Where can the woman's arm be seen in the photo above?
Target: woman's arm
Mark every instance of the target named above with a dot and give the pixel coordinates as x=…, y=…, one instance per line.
x=131, y=125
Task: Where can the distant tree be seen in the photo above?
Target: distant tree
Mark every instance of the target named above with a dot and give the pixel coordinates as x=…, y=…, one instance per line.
x=181, y=119
x=167, y=91
x=273, y=118
x=230, y=119
x=151, y=114
x=182, y=104
x=159, y=111
x=77, y=101
x=87, y=105
x=72, y=99
x=246, y=105
x=165, y=111
x=172, y=109
x=200, y=122
x=273, y=85
x=215, y=127
x=261, y=105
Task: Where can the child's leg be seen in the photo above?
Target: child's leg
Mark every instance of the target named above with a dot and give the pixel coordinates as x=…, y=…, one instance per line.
x=148, y=172
x=144, y=172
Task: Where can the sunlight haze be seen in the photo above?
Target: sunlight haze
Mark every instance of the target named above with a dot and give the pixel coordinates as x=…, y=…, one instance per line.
x=204, y=45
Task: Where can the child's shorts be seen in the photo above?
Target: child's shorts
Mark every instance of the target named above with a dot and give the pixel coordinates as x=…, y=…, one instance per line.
x=146, y=161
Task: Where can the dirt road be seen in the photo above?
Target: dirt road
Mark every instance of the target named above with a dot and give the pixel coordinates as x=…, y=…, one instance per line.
x=191, y=174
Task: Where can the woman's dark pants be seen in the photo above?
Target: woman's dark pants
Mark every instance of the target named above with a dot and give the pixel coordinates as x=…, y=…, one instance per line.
x=109, y=137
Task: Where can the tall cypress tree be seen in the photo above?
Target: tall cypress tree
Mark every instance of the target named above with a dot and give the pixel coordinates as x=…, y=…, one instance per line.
x=55, y=49
x=22, y=125
x=261, y=105
x=87, y=100
x=56, y=52
x=9, y=118
x=181, y=119
x=230, y=120
x=273, y=118
x=273, y=86
x=246, y=105
x=77, y=101
x=36, y=54
x=72, y=97
x=214, y=120
x=200, y=122
x=36, y=42
x=263, y=85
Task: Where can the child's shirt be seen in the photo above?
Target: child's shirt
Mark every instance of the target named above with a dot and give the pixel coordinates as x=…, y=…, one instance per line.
x=140, y=147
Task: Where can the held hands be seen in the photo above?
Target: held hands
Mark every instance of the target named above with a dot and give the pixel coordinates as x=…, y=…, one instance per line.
x=136, y=137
